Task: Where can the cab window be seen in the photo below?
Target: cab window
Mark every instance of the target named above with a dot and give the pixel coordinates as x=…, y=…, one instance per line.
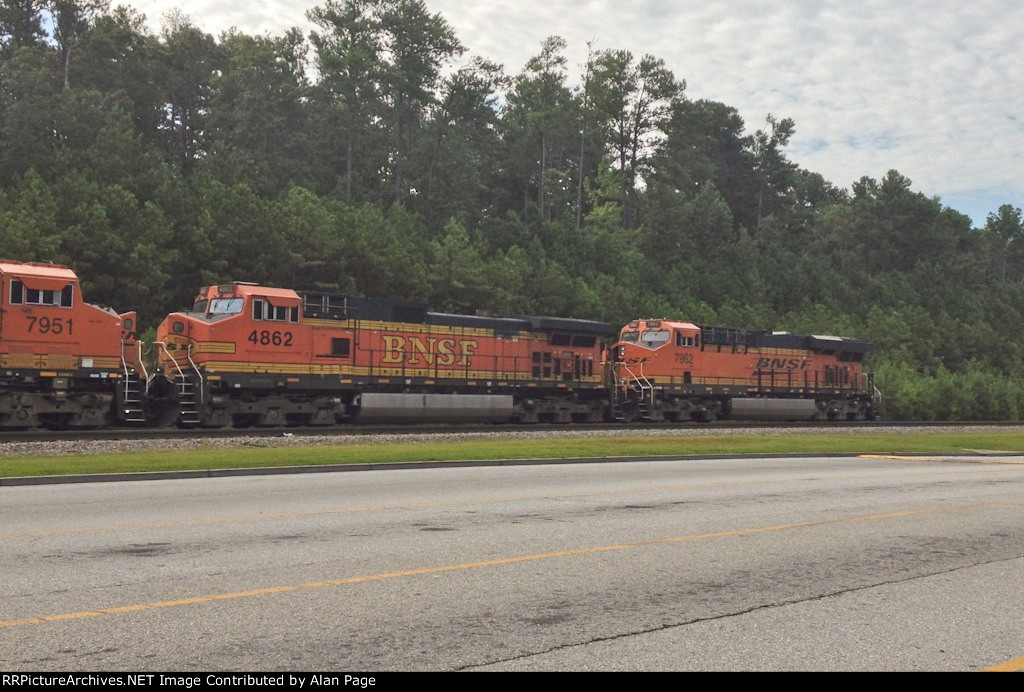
x=226, y=306
x=23, y=295
x=653, y=338
x=682, y=340
x=262, y=310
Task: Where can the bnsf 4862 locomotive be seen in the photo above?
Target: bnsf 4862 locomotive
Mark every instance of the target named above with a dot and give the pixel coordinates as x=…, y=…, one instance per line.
x=254, y=355
x=249, y=354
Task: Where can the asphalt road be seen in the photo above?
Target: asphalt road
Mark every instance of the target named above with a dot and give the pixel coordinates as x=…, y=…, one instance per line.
x=768, y=564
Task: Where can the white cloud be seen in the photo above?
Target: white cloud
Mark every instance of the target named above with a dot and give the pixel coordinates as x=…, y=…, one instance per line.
x=928, y=88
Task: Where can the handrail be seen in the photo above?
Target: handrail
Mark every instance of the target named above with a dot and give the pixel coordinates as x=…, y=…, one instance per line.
x=641, y=380
x=124, y=366
x=188, y=354
x=622, y=381
x=142, y=364
x=171, y=358
x=650, y=385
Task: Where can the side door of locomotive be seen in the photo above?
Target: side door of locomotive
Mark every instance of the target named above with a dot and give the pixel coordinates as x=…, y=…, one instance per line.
x=331, y=347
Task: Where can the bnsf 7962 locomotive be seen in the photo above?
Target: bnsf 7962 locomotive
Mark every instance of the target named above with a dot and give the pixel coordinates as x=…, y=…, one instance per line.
x=253, y=355
x=670, y=370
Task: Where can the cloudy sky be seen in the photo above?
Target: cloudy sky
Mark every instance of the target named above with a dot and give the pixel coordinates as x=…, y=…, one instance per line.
x=931, y=88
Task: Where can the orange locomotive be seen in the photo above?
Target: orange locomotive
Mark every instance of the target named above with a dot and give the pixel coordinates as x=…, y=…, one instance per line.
x=63, y=362
x=253, y=355
x=667, y=370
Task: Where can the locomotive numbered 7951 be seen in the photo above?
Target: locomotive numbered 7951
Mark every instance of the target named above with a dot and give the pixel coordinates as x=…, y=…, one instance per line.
x=63, y=362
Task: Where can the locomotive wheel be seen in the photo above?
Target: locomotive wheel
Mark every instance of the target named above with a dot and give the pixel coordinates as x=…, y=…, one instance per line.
x=704, y=416
x=62, y=423
x=55, y=421
x=247, y=420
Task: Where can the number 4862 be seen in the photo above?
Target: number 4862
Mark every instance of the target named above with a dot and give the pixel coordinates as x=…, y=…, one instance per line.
x=267, y=338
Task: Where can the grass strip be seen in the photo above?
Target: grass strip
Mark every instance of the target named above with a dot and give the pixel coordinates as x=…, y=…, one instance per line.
x=253, y=456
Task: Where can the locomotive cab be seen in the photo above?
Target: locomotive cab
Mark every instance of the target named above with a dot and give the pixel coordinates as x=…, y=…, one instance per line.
x=249, y=322
x=657, y=348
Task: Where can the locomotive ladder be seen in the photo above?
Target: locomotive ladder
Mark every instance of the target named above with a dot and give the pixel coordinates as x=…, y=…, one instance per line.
x=188, y=399
x=617, y=413
x=189, y=395
x=131, y=394
x=132, y=404
x=644, y=386
x=646, y=395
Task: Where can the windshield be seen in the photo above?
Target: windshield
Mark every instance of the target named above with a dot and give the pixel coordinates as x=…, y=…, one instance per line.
x=653, y=338
x=630, y=337
x=226, y=306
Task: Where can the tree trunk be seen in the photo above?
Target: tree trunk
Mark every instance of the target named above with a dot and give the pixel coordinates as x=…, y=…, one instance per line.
x=349, y=151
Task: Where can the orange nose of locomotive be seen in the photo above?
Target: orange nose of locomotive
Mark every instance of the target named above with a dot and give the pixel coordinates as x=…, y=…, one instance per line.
x=129, y=339
x=625, y=355
x=174, y=339
x=180, y=332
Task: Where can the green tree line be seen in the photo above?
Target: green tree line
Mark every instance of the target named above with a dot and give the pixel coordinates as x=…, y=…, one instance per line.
x=374, y=156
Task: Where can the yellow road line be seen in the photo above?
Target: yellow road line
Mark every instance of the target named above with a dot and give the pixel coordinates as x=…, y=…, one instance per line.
x=443, y=503
x=1014, y=666
x=948, y=460
x=494, y=563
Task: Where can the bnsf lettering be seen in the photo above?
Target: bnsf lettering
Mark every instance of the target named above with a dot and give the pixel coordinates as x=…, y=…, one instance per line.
x=416, y=351
x=782, y=364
